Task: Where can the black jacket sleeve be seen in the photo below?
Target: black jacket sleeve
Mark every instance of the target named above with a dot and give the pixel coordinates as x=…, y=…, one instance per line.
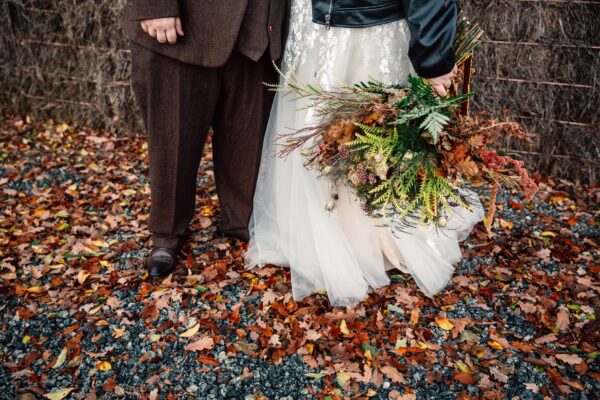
x=433, y=27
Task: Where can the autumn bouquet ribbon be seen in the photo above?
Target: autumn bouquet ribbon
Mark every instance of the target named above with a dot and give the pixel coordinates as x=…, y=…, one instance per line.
x=405, y=151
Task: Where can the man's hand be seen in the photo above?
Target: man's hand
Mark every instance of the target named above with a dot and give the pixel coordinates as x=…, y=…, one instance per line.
x=442, y=83
x=163, y=29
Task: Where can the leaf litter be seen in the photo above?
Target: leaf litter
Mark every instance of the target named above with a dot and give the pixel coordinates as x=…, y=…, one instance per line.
x=81, y=319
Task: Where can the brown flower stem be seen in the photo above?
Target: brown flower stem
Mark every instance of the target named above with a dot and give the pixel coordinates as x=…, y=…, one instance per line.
x=489, y=218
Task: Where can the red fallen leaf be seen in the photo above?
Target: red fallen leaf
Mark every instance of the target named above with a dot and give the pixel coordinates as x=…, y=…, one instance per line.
x=110, y=384
x=582, y=368
x=572, y=221
x=234, y=315
x=208, y=360
x=25, y=313
x=408, y=350
x=464, y=378
x=574, y=384
x=515, y=205
x=555, y=377
x=277, y=356
x=527, y=348
x=149, y=313
x=168, y=324
x=190, y=261
x=71, y=329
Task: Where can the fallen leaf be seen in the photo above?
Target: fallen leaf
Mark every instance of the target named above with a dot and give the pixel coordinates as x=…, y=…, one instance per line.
x=344, y=327
x=393, y=374
x=444, y=324
x=62, y=357
x=103, y=366
x=204, y=343
x=341, y=378
x=571, y=359
x=191, y=332
x=59, y=394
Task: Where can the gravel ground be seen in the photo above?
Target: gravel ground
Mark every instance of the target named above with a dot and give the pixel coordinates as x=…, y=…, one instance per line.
x=80, y=320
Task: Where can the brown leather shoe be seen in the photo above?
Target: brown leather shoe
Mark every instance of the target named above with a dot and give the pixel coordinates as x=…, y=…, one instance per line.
x=161, y=262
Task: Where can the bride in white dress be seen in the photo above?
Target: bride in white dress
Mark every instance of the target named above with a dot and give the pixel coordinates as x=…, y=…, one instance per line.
x=341, y=252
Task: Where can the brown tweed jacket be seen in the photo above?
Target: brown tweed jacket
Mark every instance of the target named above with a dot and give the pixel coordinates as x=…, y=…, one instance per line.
x=212, y=28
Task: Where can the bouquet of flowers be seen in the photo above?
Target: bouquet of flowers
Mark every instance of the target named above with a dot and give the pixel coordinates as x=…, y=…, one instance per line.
x=405, y=151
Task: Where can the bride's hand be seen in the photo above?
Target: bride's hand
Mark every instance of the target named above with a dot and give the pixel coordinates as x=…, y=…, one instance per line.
x=441, y=84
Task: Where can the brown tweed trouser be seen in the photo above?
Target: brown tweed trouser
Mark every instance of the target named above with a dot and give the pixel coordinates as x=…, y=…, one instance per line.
x=179, y=103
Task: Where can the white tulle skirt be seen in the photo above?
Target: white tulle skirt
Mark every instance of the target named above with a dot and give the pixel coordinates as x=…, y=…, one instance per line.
x=343, y=252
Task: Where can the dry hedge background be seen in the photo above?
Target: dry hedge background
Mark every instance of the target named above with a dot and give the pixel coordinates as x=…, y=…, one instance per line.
x=68, y=59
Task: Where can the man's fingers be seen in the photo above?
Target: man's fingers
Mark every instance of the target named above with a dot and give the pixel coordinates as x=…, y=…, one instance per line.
x=171, y=36
x=152, y=31
x=178, y=26
x=161, y=36
x=145, y=26
x=440, y=90
x=455, y=69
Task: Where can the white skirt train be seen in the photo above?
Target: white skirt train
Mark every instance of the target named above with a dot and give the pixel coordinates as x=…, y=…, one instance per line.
x=343, y=252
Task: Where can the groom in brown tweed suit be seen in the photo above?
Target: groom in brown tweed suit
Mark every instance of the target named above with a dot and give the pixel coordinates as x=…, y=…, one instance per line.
x=199, y=64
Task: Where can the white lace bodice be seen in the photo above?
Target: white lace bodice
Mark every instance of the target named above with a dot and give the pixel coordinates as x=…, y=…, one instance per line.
x=383, y=47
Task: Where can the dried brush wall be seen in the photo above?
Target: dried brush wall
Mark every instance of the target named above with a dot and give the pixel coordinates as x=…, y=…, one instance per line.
x=68, y=59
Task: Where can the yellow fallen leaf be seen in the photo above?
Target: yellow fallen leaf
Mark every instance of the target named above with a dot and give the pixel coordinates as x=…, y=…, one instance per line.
x=154, y=337
x=248, y=275
x=342, y=378
x=105, y=263
x=344, y=328
x=191, y=332
x=506, y=224
x=35, y=289
x=82, y=276
x=309, y=347
x=444, y=324
x=26, y=339
x=495, y=345
x=548, y=233
x=61, y=358
x=39, y=212
x=59, y=394
x=414, y=316
x=463, y=367
x=103, y=366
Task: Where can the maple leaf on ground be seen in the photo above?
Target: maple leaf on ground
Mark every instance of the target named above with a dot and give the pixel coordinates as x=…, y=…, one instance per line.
x=571, y=359
x=205, y=343
x=269, y=297
x=392, y=373
x=275, y=340
x=312, y=335
x=498, y=375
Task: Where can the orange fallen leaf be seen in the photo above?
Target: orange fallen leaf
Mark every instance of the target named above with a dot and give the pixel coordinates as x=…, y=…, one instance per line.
x=103, y=366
